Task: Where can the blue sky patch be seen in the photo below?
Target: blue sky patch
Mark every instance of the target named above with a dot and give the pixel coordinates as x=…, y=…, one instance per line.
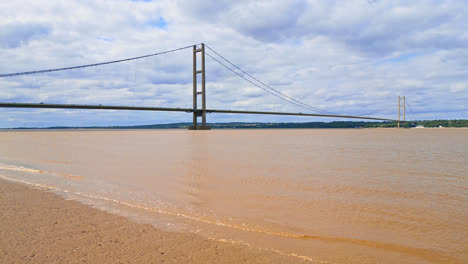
x=401, y=58
x=104, y=39
x=160, y=23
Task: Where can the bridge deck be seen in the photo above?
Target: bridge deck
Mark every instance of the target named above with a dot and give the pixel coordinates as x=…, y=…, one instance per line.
x=169, y=109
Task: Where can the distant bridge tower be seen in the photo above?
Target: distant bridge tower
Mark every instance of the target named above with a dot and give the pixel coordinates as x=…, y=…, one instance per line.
x=196, y=111
x=400, y=112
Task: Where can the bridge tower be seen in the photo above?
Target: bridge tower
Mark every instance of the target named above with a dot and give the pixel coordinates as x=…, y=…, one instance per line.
x=196, y=111
x=400, y=112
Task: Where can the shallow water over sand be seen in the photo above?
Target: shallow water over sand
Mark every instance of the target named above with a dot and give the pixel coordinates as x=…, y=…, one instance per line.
x=324, y=196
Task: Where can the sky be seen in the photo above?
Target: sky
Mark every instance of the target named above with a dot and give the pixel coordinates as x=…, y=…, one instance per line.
x=346, y=57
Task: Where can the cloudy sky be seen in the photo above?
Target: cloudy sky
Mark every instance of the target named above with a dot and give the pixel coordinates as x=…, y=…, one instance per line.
x=347, y=57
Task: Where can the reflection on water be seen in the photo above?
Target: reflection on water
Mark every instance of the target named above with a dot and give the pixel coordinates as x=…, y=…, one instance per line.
x=326, y=196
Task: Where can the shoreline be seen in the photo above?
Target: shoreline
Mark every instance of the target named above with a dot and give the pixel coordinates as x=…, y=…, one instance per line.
x=39, y=226
x=215, y=129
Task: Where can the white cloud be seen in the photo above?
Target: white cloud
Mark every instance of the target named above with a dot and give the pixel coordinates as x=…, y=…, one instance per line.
x=459, y=87
x=345, y=56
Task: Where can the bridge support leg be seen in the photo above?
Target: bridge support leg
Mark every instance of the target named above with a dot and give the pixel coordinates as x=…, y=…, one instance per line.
x=199, y=112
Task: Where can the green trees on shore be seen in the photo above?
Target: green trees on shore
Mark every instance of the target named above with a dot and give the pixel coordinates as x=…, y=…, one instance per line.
x=347, y=124
x=425, y=123
x=250, y=125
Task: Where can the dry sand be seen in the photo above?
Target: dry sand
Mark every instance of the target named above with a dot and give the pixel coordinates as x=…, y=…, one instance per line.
x=38, y=226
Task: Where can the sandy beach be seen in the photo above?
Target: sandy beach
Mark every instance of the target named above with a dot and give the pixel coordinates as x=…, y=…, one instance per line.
x=38, y=226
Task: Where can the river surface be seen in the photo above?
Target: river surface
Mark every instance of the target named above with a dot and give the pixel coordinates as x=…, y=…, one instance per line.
x=321, y=196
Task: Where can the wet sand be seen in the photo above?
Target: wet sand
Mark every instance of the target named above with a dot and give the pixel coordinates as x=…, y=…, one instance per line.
x=38, y=226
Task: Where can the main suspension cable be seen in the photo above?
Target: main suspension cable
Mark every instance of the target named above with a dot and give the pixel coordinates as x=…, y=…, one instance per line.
x=377, y=111
x=297, y=102
x=91, y=65
x=258, y=86
x=411, y=110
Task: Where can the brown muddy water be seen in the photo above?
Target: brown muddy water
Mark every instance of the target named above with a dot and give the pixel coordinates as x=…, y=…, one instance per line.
x=321, y=196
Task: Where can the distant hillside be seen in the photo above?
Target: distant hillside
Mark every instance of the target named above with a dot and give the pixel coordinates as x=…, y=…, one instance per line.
x=253, y=125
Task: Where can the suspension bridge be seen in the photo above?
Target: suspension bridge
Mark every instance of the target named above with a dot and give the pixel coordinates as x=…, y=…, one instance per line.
x=199, y=51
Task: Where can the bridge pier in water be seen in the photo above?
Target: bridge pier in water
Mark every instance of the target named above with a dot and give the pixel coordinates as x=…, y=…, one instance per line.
x=196, y=111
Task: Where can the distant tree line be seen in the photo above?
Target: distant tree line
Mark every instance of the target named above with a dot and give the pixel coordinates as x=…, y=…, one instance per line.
x=250, y=125
x=425, y=123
